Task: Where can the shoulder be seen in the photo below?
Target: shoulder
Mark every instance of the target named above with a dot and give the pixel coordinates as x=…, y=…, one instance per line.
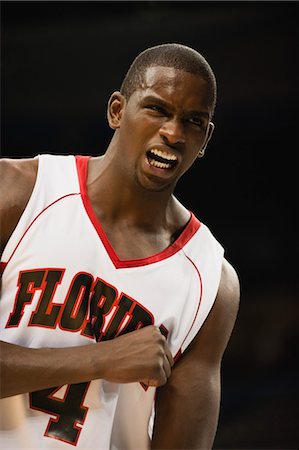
x=221, y=320
x=18, y=167
x=17, y=181
x=229, y=287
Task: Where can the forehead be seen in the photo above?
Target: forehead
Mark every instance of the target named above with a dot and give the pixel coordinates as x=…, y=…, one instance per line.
x=175, y=85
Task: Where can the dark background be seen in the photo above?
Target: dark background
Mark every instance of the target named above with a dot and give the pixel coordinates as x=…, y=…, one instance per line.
x=61, y=61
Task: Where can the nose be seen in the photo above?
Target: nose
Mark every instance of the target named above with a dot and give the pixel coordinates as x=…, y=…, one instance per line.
x=172, y=131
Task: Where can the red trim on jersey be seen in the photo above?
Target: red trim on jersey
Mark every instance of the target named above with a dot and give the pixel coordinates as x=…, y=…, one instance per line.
x=2, y=267
x=178, y=355
x=191, y=228
x=30, y=225
x=199, y=302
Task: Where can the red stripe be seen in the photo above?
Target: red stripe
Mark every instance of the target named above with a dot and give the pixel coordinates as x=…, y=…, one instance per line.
x=199, y=300
x=177, y=356
x=185, y=236
x=2, y=267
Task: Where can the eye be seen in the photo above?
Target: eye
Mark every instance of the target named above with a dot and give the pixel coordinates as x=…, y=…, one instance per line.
x=156, y=109
x=196, y=121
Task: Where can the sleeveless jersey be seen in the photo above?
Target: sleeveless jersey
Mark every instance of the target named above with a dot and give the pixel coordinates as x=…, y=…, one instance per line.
x=63, y=285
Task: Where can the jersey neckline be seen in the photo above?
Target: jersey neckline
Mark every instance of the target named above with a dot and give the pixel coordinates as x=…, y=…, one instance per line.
x=190, y=229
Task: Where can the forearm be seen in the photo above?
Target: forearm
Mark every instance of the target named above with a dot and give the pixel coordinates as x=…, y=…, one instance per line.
x=141, y=355
x=27, y=370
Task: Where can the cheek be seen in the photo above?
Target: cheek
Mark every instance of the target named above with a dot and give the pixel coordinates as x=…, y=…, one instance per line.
x=190, y=161
x=196, y=142
x=191, y=151
x=142, y=128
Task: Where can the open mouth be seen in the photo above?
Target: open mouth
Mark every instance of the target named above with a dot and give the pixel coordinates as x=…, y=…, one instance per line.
x=161, y=159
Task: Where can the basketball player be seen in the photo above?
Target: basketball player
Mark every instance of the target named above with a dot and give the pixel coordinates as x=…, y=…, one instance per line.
x=117, y=303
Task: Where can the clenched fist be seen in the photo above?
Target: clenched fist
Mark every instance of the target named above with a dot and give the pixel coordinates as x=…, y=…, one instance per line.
x=140, y=356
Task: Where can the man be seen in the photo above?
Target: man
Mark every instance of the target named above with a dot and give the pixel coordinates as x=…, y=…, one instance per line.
x=99, y=251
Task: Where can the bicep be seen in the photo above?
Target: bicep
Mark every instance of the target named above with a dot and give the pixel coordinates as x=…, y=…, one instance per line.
x=187, y=407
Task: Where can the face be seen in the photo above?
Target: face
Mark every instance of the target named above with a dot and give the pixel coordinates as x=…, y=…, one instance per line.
x=162, y=127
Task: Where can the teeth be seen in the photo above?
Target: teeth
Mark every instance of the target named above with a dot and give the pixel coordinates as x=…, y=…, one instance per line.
x=158, y=164
x=164, y=155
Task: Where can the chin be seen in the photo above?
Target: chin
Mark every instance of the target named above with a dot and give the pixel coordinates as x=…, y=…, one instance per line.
x=154, y=184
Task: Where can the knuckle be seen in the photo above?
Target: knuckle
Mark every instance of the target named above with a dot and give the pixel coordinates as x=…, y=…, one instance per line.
x=162, y=380
x=161, y=341
x=158, y=368
x=159, y=355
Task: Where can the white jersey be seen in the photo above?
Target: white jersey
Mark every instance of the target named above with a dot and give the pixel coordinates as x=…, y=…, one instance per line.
x=63, y=285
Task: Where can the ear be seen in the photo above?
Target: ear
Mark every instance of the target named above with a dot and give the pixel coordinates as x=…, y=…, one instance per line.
x=115, y=108
x=210, y=130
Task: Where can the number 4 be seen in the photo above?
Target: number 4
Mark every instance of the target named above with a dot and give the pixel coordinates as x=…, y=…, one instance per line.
x=69, y=411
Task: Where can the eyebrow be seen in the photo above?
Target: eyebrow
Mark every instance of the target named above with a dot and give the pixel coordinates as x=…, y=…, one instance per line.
x=163, y=103
x=153, y=99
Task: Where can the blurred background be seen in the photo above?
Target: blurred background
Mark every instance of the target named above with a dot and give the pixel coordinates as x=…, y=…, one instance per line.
x=60, y=63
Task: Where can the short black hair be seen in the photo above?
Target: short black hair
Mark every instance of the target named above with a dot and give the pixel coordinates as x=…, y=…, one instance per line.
x=169, y=55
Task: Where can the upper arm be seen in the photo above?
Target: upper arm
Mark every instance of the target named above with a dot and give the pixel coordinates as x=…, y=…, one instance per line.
x=17, y=182
x=212, y=339
x=187, y=406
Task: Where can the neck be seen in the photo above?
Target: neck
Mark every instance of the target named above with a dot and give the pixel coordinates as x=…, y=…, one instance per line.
x=119, y=198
